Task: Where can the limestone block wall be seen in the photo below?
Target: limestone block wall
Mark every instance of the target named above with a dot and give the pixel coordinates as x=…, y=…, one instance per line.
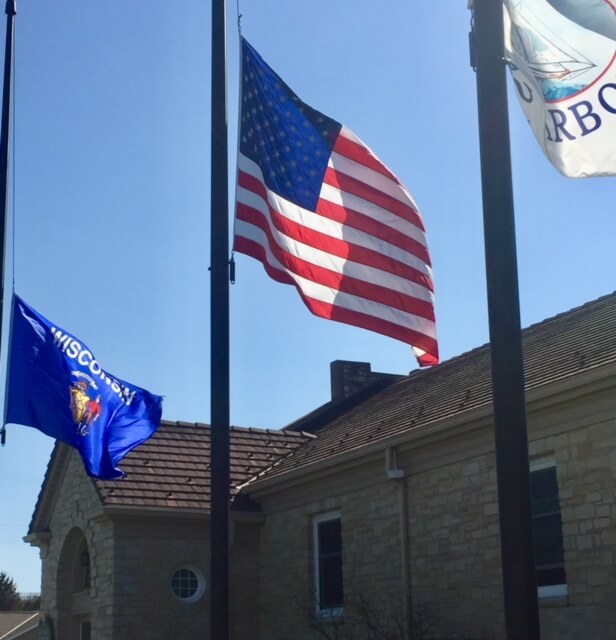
x=454, y=536
x=454, y=530
x=454, y=565
x=452, y=551
x=368, y=504
x=244, y=581
x=147, y=553
x=148, y=550
x=132, y=559
x=77, y=502
x=581, y=438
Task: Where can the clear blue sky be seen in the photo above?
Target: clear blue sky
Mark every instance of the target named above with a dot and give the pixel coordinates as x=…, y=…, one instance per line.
x=112, y=201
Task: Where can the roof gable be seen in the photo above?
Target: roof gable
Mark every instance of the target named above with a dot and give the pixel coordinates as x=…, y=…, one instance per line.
x=52, y=482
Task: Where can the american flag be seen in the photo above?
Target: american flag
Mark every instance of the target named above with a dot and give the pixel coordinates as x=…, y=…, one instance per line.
x=322, y=212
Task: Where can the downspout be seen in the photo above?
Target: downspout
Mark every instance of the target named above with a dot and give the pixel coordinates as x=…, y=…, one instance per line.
x=399, y=476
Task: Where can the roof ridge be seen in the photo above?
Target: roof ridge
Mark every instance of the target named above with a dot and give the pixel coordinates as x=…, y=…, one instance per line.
x=182, y=424
x=281, y=433
x=570, y=312
x=525, y=330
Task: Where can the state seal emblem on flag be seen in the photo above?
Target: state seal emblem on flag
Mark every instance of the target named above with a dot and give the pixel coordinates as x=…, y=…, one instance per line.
x=85, y=404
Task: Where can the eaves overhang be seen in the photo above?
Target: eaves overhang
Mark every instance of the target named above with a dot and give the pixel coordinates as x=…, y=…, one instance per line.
x=122, y=512
x=591, y=380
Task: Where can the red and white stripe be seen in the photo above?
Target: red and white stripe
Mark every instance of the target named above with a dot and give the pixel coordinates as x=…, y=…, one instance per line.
x=361, y=258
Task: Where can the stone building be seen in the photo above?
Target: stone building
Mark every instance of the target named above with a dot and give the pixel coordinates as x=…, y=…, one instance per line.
x=377, y=511
x=129, y=559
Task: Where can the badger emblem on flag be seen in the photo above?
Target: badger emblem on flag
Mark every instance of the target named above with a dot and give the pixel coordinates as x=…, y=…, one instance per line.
x=86, y=405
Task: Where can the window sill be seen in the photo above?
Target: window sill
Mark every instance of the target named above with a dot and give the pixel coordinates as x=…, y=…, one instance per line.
x=330, y=615
x=555, y=595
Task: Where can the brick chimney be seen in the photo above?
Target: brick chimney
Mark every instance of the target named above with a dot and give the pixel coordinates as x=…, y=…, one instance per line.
x=348, y=377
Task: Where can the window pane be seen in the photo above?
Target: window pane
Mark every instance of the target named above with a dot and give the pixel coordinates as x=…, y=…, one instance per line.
x=330, y=538
x=329, y=558
x=548, y=540
x=331, y=583
x=85, y=633
x=547, y=528
x=550, y=576
x=544, y=491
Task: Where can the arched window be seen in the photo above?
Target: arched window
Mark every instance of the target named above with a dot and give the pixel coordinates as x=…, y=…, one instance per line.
x=81, y=575
x=74, y=582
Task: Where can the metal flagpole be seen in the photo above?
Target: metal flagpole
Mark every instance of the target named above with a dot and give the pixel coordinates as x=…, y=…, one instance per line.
x=219, y=333
x=512, y=467
x=5, y=133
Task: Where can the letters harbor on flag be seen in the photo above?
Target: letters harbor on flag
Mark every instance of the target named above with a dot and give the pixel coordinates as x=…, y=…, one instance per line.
x=56, y=386
x=562, y=57
x=322, y=212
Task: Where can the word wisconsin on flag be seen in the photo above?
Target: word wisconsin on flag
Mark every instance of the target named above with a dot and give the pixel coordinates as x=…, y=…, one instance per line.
x=323, y=213
x=56, y=386
x=563, y=63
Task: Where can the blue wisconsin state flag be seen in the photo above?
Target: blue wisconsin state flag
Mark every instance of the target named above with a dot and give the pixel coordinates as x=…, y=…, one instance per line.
x=56, y=386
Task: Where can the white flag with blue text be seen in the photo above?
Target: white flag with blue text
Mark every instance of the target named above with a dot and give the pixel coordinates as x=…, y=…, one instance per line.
x=562, y=57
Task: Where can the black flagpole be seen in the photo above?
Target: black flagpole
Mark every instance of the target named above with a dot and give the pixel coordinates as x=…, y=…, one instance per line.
x=5, y=134
x=512, y=467
x=219, y=333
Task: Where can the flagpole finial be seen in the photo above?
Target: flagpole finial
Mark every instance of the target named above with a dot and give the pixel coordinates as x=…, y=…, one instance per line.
x=11, y=7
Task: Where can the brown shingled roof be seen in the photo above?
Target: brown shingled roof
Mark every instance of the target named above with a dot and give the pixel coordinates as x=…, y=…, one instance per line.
x=555, y=349
x=172, y=469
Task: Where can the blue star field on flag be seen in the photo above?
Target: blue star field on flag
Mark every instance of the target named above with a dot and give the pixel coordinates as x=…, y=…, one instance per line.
x=287, y=138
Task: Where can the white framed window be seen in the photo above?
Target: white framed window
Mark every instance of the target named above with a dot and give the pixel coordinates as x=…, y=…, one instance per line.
x=327, y=546
x=188, y=584
x=547, y=530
